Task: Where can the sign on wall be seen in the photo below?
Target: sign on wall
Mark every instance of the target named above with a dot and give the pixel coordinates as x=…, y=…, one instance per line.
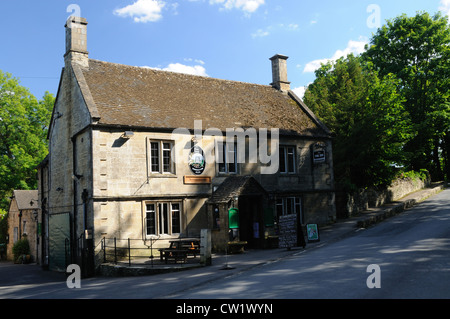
x=319, y=153
x=197, y=160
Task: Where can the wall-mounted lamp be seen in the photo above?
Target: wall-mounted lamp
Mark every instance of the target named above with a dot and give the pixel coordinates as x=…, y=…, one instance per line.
x=127, y=134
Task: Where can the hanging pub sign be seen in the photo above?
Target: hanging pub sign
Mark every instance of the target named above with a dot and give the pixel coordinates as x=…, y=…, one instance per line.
x=319, y=153
x=197, y=160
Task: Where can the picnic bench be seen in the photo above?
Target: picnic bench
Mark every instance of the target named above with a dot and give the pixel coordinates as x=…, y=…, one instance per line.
x=236, y=246
x=179, y=249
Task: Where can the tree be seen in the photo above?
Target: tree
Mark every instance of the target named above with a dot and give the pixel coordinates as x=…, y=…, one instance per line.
x=417, y=51
x=23, y=136
x=365, y=113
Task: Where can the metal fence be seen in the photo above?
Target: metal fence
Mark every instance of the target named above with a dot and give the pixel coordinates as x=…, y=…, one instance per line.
x=115, y=249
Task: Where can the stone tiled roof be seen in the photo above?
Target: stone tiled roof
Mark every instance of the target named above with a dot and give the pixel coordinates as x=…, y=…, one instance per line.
x=234, y=186
x=142, y=97
x=26, y=199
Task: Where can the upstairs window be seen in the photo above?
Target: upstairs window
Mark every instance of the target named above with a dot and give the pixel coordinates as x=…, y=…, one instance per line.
x=161, y=157
x=227, y=158
x=287, y=159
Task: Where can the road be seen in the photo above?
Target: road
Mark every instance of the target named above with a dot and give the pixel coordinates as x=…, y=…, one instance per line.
x=412, y=251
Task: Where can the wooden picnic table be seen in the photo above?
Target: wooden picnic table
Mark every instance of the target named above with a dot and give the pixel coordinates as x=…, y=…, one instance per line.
x=179, y=249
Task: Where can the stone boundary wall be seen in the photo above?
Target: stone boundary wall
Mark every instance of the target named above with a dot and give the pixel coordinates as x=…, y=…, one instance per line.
x=399, y=207
x=348, y=205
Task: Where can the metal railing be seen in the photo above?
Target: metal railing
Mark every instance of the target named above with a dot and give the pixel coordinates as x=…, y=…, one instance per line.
x=123, y=249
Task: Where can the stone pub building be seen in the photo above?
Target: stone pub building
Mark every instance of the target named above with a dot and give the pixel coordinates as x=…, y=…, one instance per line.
x=153, y=155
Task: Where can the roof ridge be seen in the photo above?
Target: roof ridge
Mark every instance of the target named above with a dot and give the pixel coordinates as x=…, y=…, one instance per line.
x=153, y=98
x=158, y=70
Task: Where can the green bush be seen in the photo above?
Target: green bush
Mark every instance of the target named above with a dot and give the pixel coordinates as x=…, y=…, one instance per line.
x=20, y=248
x=423, y=174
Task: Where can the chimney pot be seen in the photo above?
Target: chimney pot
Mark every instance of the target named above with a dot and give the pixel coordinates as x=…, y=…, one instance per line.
x=76, y=40
x=279, y=73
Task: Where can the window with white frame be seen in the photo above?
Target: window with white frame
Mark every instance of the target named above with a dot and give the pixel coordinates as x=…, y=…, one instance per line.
x=288, y=206
x=161, y=157
x=227, y=157
x=287, y=159
x=163, y=218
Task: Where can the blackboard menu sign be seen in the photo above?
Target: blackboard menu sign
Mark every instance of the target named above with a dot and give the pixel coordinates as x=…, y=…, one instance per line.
x=288, y=231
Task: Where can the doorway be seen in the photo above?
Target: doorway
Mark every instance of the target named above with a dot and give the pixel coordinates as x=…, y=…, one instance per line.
x=251, y=228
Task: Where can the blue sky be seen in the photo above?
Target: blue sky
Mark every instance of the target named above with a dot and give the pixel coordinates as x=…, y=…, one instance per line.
x=226, y=39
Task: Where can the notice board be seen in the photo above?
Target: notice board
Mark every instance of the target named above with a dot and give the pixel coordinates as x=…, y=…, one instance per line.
x=288, y=231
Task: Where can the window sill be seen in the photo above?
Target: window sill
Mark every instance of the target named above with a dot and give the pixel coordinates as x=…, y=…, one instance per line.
x=159, y=175
x=162, y=237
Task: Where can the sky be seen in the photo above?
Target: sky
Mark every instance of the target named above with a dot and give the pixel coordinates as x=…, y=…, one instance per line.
x=225, y=39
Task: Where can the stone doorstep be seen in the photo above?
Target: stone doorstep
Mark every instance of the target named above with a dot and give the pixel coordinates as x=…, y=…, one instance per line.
x=372, y=218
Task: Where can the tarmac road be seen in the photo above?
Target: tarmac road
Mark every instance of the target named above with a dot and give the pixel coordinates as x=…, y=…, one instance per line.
x=412, y=250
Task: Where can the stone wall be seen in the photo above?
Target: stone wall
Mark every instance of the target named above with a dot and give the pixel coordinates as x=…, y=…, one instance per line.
x=348, y=205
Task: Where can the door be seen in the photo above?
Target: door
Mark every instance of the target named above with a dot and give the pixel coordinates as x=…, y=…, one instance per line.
x=251, y=222
x=59, y=234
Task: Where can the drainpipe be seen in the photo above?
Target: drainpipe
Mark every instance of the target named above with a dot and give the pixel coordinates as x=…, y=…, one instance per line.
x=88, y=240
x=20, y=224
x=75, y=202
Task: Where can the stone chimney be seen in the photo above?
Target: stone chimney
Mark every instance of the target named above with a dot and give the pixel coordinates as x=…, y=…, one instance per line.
x=279, y=73
x=76, y=41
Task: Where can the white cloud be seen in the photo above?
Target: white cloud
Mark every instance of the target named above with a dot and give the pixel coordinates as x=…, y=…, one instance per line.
x=314, y=65
x=182, y=68
x=260, y=33
x=445, y=8
x=355, y=47
x=292, y=26
x=142, y=10
x=300, y=91
x=187, y=69
x=194, y=60
x=264, y=32
x=248, y=6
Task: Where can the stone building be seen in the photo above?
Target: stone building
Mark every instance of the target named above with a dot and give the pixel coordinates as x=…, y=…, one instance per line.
x=148, y=154
x=23, y=222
